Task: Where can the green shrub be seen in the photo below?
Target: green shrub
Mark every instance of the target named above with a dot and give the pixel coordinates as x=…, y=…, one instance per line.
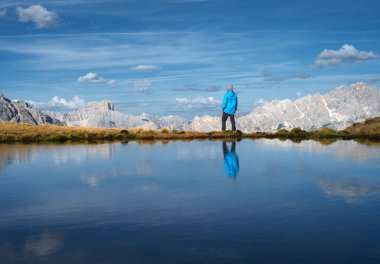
x=328, y=133
x=282, y=133
x=55, y=138
x=165, y=131
x=298, y=133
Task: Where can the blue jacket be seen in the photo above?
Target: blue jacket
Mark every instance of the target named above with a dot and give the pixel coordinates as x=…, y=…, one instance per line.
x=230, y=102
x=231, y=164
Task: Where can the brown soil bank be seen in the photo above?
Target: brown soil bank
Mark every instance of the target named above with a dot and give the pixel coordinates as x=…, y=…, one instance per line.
x=12, y=132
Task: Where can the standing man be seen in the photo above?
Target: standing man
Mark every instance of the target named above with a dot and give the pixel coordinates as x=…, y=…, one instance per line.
x=230, y=103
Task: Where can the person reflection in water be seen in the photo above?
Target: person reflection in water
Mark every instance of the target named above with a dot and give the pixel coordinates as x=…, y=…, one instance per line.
x=231, y=160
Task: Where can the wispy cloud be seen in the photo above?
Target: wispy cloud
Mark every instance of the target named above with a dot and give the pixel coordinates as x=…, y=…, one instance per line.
x=196, y=88
x=127, y=50
x=92, y=77
x=58, y=103
x=199, y=102
x=39, y=15
x=139, y=86
x=259, y=101
x=143, y=67
x=346, y=54
x=374, y=78
x=268, y=76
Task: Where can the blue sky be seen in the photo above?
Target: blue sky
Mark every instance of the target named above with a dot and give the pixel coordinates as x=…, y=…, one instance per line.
x=177, y=56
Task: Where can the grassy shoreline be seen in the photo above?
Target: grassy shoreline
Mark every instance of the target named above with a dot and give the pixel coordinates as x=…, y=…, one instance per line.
x=27, y=133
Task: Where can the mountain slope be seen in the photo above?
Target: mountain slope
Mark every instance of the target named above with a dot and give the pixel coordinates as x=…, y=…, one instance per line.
x=22, y=112
x=337, y=110
x=103, y=114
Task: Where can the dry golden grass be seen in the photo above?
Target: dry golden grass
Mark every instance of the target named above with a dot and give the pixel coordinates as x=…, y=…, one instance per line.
x=33, y=133
x=22, y=129
x=370, y=127
x=13, y=132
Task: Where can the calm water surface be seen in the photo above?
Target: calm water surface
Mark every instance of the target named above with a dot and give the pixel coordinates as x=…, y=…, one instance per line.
x=260, y=201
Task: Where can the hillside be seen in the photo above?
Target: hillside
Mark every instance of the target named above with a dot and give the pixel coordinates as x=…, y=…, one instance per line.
x=369, y=128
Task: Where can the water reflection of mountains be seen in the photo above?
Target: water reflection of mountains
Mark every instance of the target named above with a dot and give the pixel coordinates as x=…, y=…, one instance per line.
x=332, y=186
x=343, y=149
x=35, y=247
x=21, y=153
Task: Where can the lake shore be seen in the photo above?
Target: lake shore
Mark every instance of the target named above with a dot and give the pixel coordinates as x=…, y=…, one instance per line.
x=27, y=133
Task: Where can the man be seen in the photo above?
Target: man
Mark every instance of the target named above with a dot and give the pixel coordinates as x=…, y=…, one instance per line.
x=230, y=103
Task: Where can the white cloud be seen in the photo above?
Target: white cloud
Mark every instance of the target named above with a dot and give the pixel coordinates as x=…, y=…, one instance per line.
x=92, y=77
x=198, y=102
x=3, y=12
x=39, y=15
x=258, y=102
x=143, y=67
x=111, y=83
x=346, y=54
x=60, y=103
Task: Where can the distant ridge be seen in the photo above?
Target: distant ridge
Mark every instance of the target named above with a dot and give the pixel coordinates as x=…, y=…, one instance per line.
x=337, y=109
x=104, y=114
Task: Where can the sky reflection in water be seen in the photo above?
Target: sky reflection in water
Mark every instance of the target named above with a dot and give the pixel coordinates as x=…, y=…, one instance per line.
x=195, y=202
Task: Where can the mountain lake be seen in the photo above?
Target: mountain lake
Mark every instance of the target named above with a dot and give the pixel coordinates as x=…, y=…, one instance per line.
x=252, y=201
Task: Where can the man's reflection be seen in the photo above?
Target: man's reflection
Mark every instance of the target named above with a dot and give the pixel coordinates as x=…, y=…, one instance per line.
x=231, y=160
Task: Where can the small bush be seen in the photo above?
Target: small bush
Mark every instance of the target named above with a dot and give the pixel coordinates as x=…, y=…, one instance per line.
x=55, y=138
x=145, y=136
x=298, y=133
x=165, y=131
x=326, y=133
x=282, y=133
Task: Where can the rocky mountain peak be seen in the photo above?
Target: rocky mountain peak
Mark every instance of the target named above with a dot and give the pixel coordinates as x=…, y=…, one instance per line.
x=22, y=112
x=103, y=105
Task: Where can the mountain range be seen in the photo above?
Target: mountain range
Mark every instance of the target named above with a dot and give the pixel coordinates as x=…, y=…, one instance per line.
x=337, y=109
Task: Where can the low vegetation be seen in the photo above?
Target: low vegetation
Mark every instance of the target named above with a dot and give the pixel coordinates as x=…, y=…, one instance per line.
x=12, y=132
x=369, y=129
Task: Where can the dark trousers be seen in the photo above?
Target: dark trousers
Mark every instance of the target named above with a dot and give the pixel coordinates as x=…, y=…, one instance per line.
x=224, y=119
